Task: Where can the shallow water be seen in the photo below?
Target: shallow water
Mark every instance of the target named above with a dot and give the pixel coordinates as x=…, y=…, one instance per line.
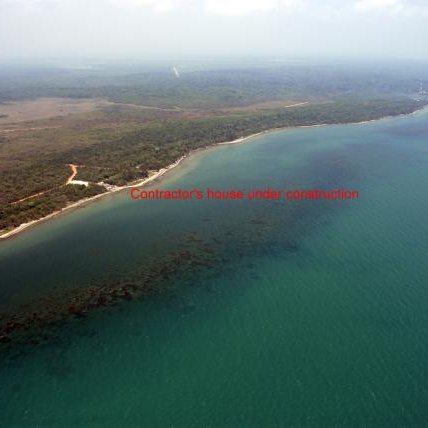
x=258, y=313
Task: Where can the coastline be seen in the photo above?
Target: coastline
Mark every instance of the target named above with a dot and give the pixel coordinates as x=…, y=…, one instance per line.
x=161, y=172
x=85, y=201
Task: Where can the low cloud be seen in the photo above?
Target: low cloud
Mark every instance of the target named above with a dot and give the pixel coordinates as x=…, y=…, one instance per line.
x=211, y=7
x=370, y=5
x=246, y=7
x=219, y=27
x=403, y=7
x=238, y=7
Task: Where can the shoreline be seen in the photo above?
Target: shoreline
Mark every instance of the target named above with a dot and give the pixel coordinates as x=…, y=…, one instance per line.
x=161, y=172
x=85, y=201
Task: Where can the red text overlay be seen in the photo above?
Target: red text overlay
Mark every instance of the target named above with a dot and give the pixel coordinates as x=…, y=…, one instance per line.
x=237, y=195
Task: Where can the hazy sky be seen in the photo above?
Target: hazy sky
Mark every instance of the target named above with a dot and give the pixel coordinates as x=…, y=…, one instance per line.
x=135, y=28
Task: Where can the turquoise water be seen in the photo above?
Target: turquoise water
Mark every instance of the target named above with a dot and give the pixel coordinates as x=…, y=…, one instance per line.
x=249, y=313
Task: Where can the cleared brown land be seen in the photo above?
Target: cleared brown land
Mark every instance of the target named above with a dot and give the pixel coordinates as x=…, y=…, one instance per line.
x=43, y=108
x=268, y=105
x=16, y=116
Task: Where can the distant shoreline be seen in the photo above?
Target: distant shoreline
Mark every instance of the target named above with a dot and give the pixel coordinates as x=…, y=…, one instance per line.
x=161, y=172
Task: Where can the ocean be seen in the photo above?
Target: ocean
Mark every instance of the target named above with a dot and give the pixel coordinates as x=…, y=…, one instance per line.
x=232, y=313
